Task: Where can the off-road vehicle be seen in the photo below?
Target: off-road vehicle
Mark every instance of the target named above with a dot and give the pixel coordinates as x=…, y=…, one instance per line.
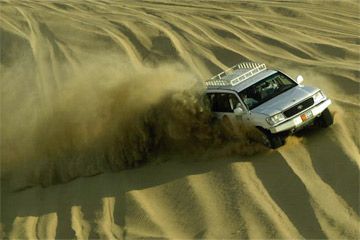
x=268, y=99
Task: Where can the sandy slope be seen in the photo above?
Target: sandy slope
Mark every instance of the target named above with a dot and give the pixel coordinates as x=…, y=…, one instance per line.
x=78, y=77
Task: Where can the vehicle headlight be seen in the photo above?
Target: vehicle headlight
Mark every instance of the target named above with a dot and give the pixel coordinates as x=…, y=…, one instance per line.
x=318, y=96
x=275, y=119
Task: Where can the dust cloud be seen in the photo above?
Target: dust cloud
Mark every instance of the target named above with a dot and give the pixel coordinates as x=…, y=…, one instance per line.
x=71, y=106
x=107, y=116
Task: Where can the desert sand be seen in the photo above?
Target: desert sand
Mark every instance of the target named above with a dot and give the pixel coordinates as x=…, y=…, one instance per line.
x=103, y=135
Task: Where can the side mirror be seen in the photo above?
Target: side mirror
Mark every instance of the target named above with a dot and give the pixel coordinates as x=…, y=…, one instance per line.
x=299, y=79
x=238, y=111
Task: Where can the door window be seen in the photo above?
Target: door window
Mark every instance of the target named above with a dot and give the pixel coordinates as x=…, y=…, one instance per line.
x=223, y=102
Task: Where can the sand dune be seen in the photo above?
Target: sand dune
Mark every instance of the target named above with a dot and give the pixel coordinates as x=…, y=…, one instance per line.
x=90, y=90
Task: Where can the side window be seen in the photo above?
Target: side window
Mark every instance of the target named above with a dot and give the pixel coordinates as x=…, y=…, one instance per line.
x=222, y=102
x=212, y=101
x=233, y=101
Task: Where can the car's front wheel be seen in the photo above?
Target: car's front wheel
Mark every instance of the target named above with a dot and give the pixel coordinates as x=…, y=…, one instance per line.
x=272, y=140
x=326, y=119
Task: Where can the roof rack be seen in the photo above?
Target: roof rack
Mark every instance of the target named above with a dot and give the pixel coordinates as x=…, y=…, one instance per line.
x=253, y=69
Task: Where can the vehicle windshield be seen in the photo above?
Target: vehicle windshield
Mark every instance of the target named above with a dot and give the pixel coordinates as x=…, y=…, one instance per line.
x=266, y=89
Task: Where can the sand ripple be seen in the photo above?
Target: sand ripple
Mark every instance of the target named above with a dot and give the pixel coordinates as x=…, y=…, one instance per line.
x=307, y=189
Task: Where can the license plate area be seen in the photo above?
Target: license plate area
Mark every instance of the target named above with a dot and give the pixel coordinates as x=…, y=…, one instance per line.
x=307, y=115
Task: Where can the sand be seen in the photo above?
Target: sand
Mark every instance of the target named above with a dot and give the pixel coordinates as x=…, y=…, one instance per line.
x=103, y=135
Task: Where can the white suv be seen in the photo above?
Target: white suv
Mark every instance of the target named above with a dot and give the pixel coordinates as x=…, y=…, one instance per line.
x=268, y=99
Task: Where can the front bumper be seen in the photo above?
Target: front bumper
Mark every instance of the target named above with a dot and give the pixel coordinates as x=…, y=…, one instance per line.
x=296, y=122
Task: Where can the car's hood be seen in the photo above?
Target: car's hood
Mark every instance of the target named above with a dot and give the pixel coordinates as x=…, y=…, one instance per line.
x=285, y=100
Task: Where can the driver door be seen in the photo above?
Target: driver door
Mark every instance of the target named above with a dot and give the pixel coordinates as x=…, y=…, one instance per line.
x=223, y=105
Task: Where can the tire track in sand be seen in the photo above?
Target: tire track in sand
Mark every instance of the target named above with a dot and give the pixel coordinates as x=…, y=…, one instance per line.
x=335, y=217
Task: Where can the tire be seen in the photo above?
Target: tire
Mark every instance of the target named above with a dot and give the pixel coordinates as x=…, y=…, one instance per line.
x=275, y=141
x=272, y=140
x=325, y=119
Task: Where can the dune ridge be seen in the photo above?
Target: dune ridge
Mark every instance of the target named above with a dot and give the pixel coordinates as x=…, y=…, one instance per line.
x=85, y=81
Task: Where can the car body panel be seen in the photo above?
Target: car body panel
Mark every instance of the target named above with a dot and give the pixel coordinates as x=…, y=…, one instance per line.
x=296, y=122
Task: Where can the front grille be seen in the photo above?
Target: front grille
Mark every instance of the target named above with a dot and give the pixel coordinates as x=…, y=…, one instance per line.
x=299, y=107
